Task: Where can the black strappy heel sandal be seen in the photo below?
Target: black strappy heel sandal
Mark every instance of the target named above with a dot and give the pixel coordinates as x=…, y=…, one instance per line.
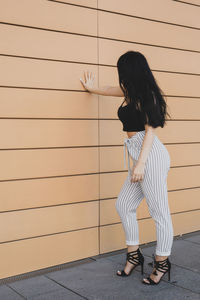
x=136, y=258
x=163, y=266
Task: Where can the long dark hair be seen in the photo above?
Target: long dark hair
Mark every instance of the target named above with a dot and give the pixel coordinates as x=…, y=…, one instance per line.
x=141, y=89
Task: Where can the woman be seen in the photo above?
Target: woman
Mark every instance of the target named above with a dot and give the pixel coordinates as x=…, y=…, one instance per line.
x=145, y=110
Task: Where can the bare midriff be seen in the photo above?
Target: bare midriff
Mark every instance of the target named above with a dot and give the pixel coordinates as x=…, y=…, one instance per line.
x=131, y=133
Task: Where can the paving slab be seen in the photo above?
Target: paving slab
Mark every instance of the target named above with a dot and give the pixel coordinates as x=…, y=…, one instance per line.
x=99, y=281
x=95, y=278
x=61, y=294
x=184, y=254
x=6, y=293
x=194, y=239
x=179, y=276
x=35, y=286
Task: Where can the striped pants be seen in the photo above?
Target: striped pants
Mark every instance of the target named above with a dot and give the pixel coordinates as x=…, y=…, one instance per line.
x=153, y=187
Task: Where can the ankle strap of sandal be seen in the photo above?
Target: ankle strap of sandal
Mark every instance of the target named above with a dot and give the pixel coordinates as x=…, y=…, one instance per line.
x=161, y=266
x=134, y=256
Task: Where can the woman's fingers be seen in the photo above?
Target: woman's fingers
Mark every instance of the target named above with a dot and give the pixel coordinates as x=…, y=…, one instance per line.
x=137, y=177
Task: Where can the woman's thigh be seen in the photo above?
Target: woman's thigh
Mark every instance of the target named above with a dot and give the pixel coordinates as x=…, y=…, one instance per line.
x=130, y=196
x=154, y=183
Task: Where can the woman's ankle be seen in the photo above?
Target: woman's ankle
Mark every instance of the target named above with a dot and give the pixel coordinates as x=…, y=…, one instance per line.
x=160, y=258
x=132, y=247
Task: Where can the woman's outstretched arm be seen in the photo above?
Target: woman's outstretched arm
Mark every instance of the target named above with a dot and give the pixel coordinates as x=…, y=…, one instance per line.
x=104, y=90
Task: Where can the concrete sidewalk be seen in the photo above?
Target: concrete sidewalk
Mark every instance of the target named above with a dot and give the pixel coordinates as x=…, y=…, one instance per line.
x=94, y=278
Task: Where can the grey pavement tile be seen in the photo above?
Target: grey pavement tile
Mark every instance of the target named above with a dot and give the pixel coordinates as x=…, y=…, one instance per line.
x=179, y=277
x=7, y=293
x=61, y=294
x=194, y=239
x=34, y=286
x=184, y=254
x=98, y=281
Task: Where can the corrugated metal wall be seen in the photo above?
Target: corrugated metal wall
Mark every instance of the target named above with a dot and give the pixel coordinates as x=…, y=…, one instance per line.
x=61, y=152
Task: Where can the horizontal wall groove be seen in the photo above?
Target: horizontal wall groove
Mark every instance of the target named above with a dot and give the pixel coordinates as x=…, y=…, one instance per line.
x=50, y=59
x=80, y=202
x=45, y=89
x=82, y=119
x=49, y=206
x=73, y=4
x=88, y=63
x=49, y=29
x=127, y=15
x=85, y=146
x=81, y=91
x=99, y=37
x=176, y=190
x=189, y=3
x=152, y=45
x=84, y=174
x=48, y=234
x=149, y=218
x=86, y=228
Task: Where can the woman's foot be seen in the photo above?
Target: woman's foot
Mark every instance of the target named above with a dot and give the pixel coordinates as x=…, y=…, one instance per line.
x=134, y=258
x=153, y=276
x=127, y=268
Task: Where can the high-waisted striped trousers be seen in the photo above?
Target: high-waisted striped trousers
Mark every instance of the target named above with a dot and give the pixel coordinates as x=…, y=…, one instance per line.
x=153, y=187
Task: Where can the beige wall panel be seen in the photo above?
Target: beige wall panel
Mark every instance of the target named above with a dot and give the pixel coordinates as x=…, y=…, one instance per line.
x=179, y=132
x=49, y=15
x=174, y=132
x=183, y=108
x=157, y=57
x=178, y=202
x=43, y=252
x=178, y=84
x=108, y=212
x=89, y=3
x=110, y=132
x=183, y=177
x=112, y=237
x=184, y=154
x=112, y=158
x=187, y=199
x=186, y=222
x=178, y=178
x=196, y=2
x=171, y=84
x=42, y=74
x=110, y=184
x=47, y=162
x=138, y=30
x=178, y=107
x=57, y=75
x=48, y=133
x=167, y=11
x=38, y=43
x=48, y=220
x=108, y=105
x=21, y=194
x=27, y=103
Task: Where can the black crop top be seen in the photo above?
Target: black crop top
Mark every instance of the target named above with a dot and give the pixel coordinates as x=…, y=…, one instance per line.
x=131, y=118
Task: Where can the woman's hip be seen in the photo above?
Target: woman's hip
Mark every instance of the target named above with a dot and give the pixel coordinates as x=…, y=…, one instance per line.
x=158, y=154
